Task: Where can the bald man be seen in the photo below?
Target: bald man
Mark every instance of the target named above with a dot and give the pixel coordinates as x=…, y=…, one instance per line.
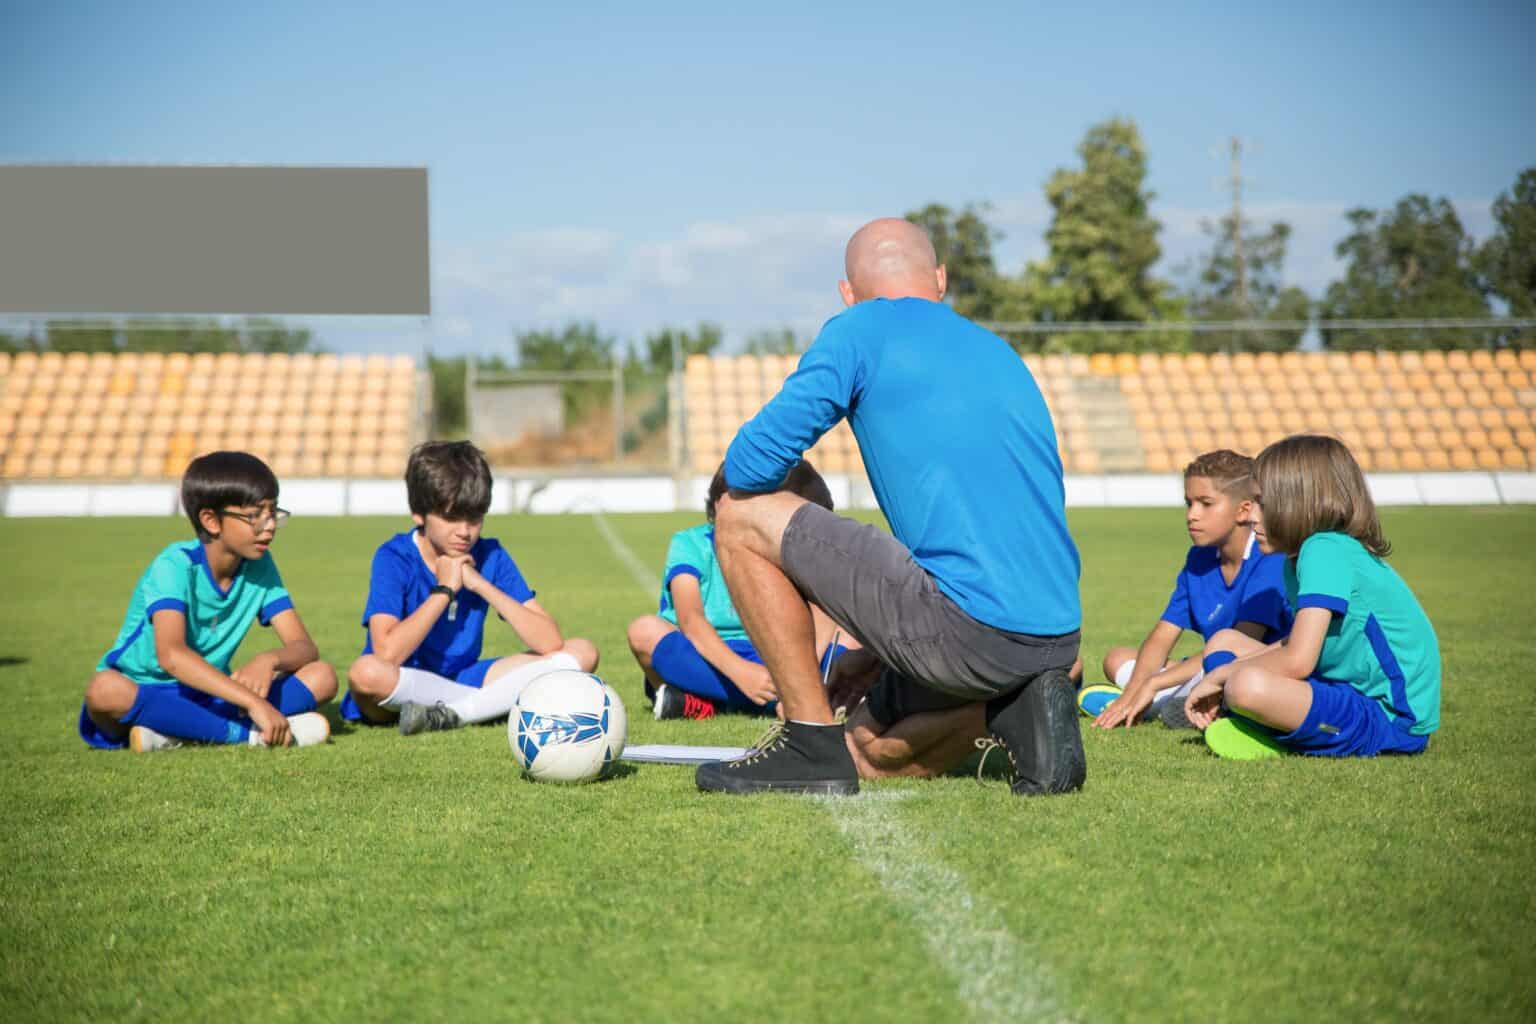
x=972, y=599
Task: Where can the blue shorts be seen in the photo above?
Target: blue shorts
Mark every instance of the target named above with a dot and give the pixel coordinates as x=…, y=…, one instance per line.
x=474, y=676
x=94, y=736
x=1343, y=722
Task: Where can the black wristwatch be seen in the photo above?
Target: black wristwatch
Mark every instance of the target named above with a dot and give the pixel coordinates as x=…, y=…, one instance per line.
x=444, y=589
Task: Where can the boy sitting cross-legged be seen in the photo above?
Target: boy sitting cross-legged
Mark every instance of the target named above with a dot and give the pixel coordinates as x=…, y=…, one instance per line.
x=428, y=595
x=1226, y=583
x=167, y=678
x=696, y=656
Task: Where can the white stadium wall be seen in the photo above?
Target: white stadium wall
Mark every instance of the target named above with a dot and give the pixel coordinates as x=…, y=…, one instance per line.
x=555, y=495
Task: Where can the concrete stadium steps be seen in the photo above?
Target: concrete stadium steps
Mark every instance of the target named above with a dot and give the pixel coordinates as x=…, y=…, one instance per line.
x=1106, y=423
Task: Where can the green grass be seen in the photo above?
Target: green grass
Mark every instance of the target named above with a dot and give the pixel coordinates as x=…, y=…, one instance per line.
x=379, y=877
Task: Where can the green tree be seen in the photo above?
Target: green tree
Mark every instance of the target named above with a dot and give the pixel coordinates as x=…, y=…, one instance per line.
x=1412, y=261
x=1507, y=261
x=1103, y=245
x=264, y=334
x=963, y=243
x=780, y=342
x=1215, y=292
x=577, y=346
x=702, y=341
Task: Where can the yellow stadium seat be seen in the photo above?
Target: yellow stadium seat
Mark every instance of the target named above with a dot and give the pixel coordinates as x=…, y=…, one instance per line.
x=1487, y=458
x=1416, y=419
x=1388, y=460
x=1078, y=365
x=1513, y=458
x=1525, y=437
x=1457, y=360
x=1424, y=439
x=1481, y=359
x=1158, y=461
x=1528, y=360
x=1101, y=364
x=50, y=362
x=1126, y=363
x=42, y=467
x=24, y=362
x=1436, y=458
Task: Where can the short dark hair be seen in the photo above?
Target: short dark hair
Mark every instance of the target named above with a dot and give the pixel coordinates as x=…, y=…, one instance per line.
x=449, y=479
x=1230, y=472
x=221, y=479
x=802, y=480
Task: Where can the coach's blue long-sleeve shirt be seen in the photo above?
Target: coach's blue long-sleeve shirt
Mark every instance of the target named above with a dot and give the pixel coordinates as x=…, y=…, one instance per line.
x=959, y=448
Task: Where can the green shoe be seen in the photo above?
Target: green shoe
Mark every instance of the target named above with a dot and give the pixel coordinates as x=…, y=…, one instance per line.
x=1241, y=740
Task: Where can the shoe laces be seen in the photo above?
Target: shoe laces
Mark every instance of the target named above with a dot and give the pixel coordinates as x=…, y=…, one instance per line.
x=987, y=744
x=697, y=707
x=773, y=737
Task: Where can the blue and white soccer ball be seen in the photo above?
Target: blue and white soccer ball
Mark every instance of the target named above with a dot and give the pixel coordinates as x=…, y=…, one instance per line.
x=567, y=726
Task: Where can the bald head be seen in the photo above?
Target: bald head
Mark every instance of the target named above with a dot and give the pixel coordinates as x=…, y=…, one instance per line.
x=891, y=258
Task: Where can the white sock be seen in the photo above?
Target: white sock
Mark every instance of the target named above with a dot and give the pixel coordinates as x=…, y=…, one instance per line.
x=1173, y=693
x=1123, y=673
x=496, y=698
x=418, y=686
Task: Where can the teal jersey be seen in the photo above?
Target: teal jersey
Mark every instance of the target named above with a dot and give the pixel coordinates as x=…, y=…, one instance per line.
x=217, y=620
x=1380, y=641
x=692, y=553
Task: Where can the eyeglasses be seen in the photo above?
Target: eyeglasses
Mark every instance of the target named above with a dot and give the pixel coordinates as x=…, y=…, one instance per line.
x=278, y=516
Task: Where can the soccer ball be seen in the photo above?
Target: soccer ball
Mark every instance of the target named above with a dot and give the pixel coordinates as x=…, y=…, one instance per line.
x=567, y=726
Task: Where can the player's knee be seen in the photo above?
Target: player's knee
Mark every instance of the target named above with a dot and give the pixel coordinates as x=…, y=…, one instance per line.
x=644, y=633
x=319, y=678
x=584, y=651
x=1226, y=640
x=109, y=693
x=1247, y=688
x=373, y=677
x=1116, y=657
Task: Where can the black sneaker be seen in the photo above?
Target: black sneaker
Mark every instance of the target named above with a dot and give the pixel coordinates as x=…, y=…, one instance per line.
x=415, y=718
x=791, y=758
x=1037, y=727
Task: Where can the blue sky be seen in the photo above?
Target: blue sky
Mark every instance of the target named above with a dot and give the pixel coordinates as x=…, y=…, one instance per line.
x=647, y=164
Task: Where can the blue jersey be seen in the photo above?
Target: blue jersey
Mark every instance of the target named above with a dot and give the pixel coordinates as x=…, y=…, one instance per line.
x=1203, y=601
x=400, y=582
x=217, y=618
x=959, y=448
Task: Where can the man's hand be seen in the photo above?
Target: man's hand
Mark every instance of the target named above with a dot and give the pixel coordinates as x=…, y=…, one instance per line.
x=1125, y=709
x=1203, y=704
x=450, y=570
x=756, y=683
x=256, y=675
x=270, y=722
x=853, y=673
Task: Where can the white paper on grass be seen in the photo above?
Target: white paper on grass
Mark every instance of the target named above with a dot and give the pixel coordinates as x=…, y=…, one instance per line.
x=672, y=753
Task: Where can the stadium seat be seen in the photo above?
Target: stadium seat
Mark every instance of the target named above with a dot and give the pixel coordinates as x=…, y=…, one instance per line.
x=1387, y=460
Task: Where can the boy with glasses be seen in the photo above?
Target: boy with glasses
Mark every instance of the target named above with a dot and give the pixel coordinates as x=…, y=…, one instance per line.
x=167, y=679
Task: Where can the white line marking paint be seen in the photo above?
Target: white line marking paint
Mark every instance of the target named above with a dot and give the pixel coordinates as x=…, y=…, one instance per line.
x=996, y=976
x=644, y=578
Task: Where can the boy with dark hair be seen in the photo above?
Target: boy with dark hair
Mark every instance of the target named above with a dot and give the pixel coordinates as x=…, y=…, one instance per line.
x=429, y=592
x=1226, y=583
x=696, y=656
x=167, y=678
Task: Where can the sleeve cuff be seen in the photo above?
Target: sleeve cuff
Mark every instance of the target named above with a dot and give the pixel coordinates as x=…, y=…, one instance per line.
x=166, y=604
x=274, y=608
x=1337, y=605
x=681, y=570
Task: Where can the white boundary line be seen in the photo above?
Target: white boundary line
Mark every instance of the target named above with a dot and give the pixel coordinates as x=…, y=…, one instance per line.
x=996, y=977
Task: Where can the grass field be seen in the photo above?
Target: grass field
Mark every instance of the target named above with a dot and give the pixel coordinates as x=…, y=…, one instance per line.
x=379, y=877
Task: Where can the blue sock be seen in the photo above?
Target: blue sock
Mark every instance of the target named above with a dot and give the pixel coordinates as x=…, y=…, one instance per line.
x=678, y=662
x=1213, y=661
x=290, y=696
x=165, y=710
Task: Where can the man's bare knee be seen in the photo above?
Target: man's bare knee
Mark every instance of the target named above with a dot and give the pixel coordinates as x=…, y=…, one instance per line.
x=755, y=523
x=109, y=693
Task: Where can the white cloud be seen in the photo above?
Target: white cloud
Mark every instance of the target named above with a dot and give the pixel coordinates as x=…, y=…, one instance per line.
x=766, y=272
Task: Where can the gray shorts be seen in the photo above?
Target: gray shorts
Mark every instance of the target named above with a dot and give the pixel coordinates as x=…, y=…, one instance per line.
x=936, y=656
